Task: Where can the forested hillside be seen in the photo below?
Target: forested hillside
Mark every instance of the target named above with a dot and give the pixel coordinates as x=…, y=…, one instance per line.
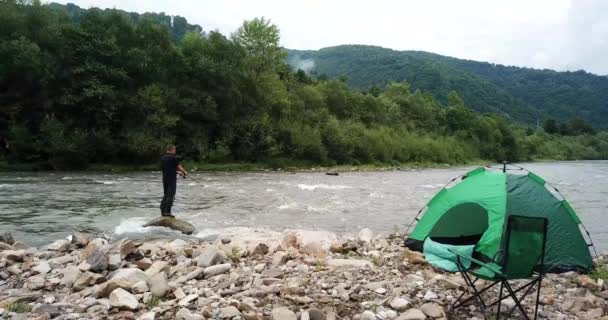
x=523, y=94
x=112, y=87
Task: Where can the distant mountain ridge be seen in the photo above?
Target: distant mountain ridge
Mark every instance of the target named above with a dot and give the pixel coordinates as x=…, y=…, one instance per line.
x=523, y=94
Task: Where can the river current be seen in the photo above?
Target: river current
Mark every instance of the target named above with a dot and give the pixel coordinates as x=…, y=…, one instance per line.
x=39, y=207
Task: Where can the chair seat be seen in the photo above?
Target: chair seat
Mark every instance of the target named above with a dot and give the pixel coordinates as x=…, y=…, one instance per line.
x=487, y=274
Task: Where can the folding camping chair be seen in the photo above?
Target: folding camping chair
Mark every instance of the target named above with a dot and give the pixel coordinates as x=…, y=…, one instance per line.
x=523, y=257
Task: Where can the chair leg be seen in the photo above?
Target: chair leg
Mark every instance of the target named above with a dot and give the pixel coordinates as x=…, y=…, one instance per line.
x=540, y=281
x=499, y=302
x=517, y=302
x=529, y=286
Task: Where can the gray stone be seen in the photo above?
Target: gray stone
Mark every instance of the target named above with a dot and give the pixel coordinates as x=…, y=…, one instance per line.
x=140, y=287
x=59, y=245
x=172, y=223
x=70, y=274
x=86, y=280
x=122, y=299
x=365, y=235
x=7, y=238
x=316, y=314
x=279, y=258
x=95, y=255
x=185, y=314
x=432, y=310
x=114, y=261
x=187, y=300
x=35, y=283
x=14, y=270
x=399, y=304
x=260, y=249
x=131, y=275
x=368, y=315
x=272, y=273
x=42, y=268
x=158, y=284
x=217, y=269
x=103, y=290
x=6, y=246
x=412, y=314
x=80, y=239
x=353, y=263
x=13, y=255
x=282, y=313
x=52, y=310
x=147, y=316
x=229, y=312
x=157, y=267
x=209, y=257
x=58, y=262
x=192, y=275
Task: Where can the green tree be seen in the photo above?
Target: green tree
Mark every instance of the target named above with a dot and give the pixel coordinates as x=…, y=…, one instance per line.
x=260, y=39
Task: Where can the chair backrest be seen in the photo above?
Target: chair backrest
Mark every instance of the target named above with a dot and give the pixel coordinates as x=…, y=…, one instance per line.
x=524, y=245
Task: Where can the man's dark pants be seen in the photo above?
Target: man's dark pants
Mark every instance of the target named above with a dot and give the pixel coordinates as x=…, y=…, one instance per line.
x=169, y=188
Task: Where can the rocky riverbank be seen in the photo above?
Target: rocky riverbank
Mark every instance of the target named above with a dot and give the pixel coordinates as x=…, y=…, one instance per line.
x=282, y=276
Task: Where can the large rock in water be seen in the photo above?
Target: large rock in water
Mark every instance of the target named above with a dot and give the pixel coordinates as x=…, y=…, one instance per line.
x=172, y=223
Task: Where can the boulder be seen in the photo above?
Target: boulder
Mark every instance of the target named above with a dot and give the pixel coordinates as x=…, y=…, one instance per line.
x=80, y=239
x=147, y=316
x=42, y=268
x=261, y=249
x=157, y=267
x=70, y=274
x=122, y=299
x=7, y=238
x=282, y=313
x=412, y=314
x=316, y=314
x=353, y=263
x=314, y=249
x=185, y=314
x=131, y=275
x=140, y=287
x=290, y=241
x=399, y=304
x=432, y=310
x=158, y=284
x=59, y=245
x=13, y=255
x=192, y=275
x=365, y=235
x=187, y=300
x=86, y=280
x=172, y=223
x=209, y=257
x=103, y=290
x=217, y=269
x=95, y=255
x=368, y=315
x=6, y=246
x=272, y=273
x=279, y=258
x=229, y=312
x=35, y=283
x=114, y=261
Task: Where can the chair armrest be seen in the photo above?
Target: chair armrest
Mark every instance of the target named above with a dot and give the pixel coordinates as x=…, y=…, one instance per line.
x=481, y=264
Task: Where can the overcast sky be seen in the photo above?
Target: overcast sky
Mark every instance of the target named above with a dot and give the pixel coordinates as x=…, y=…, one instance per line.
x=555, y=34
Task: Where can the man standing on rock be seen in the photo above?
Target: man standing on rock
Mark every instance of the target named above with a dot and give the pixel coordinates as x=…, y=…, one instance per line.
x=171, y=168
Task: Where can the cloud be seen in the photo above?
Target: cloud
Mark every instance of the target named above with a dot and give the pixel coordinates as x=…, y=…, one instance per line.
x=557, y=34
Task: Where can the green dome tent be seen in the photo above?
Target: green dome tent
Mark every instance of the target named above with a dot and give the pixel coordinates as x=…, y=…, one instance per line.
x=474, y=211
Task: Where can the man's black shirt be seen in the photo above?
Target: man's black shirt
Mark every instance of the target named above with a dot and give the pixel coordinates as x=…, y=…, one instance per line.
x=169, y=163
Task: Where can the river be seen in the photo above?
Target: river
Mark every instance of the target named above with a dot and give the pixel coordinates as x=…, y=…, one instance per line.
x=39, y=207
